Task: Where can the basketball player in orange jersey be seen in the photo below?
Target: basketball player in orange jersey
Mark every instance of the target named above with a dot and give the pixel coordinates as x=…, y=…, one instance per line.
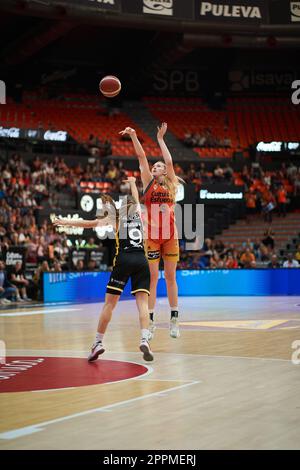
x=159, y=187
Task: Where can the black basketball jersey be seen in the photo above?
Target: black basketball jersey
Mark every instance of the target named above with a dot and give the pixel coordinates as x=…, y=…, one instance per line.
x=130, y=235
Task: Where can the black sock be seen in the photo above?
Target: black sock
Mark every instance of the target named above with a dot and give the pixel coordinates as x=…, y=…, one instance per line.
x=174, y=313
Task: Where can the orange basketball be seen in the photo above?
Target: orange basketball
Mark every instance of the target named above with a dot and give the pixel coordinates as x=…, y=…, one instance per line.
x=110, y=86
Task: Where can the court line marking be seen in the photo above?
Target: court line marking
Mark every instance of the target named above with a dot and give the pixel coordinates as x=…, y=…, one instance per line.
x=17, y=352
x=19, y=432
x=140, y=377
x=52, y=390
x=38, y=312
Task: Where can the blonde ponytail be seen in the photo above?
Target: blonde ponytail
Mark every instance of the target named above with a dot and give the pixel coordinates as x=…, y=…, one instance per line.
x=172, y=186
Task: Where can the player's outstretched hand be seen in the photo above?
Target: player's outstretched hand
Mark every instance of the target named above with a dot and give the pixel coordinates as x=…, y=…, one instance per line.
x=58, y=222
x=127, y=130
x=162, y=130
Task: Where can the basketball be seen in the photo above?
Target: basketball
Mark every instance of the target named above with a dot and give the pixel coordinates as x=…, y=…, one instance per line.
x=110, y=86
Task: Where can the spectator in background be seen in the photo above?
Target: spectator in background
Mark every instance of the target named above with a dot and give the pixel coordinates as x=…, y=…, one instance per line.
x=58, y=250
x=219, y=247
x=231, y=262
x=274, y=264
x=18, y=280
x=269, y=241
x=92, y=145
x=248, y=244
x=251, y=200
x=6, y=288
x=202, y=261
x=231, y=250
x=291, y=171
x=297, y=184
x=228, y=173
x=297, y=255
x=41, y=250
x=268, y=205
x=56, y=266
x=91, y=265
x=226, y=142
x=107, y=148
x=38, y=279
x=218, y=174
x=247, y=259
x=264, y=253
x=214, y=261
x=79, y=266
x=112, y=171
x=91, y=243
x=188, y=140
x=290, y=262
x=282, y=201
x=32, y=248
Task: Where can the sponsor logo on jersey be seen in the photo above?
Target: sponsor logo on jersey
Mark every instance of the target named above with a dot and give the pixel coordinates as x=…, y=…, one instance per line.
x=153, y=254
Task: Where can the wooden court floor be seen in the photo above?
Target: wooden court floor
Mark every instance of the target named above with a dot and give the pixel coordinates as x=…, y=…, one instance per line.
x=228, y=382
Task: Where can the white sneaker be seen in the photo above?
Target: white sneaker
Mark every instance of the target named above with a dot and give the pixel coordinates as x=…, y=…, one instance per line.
x=97, y=349
x=152, y=328
x=19, y=299
x=145, y=348
x=27, y=299
x=174, y=328
x=5, y=301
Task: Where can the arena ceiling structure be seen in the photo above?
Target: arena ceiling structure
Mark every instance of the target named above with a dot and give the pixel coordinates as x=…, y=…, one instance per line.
x=135, y=38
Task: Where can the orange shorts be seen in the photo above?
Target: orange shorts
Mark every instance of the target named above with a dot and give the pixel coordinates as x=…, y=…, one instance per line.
x=168, y=249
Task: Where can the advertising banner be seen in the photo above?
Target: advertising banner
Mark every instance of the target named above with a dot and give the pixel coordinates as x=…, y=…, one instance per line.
x=232, y=11
x=91, y=286
x=261, y=81
x=220, y=194
x=287, y=147
x=33, y=134
x=284, y=12
x=177, y=9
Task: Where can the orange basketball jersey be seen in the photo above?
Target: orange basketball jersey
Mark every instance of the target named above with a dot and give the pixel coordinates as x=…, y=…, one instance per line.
x=160, y=223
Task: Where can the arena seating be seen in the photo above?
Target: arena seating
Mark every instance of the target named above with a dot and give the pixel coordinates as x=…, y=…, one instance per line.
x=245, y=121
x=79, y=117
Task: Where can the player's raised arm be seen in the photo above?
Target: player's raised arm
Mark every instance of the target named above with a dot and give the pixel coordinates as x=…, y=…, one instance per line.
x=134, y=190
x=165, y=152
x=144, y=165
x=61, y=222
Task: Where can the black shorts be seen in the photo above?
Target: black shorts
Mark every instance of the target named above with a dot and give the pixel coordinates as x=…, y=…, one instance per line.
x=133, y=265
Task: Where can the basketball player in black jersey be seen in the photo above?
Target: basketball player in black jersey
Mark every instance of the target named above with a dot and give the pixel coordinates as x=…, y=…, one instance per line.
x=129, y=262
